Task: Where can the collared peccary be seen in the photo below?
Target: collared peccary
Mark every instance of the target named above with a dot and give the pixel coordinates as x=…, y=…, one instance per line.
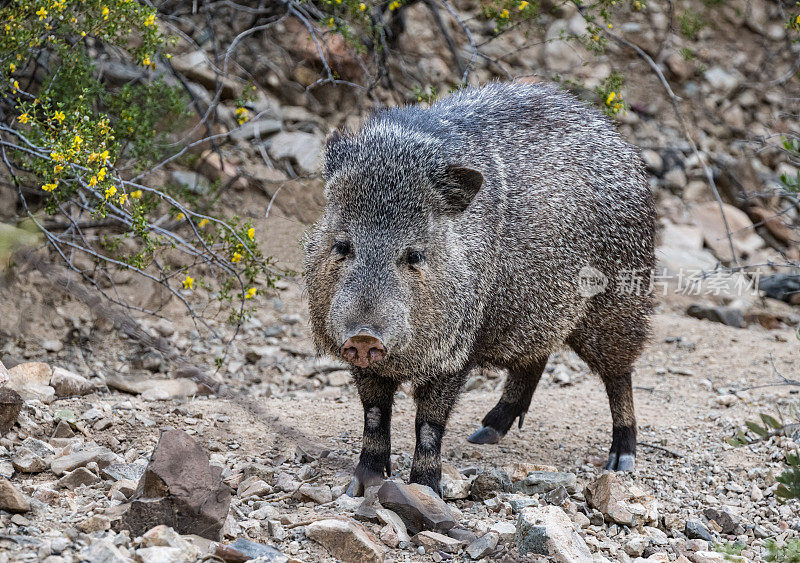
x=489, y=230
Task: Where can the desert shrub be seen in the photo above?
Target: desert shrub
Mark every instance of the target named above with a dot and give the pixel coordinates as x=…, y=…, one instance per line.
x=82, y=150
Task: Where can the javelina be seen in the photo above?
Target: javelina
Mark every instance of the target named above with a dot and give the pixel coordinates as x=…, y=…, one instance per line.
x=488, y=230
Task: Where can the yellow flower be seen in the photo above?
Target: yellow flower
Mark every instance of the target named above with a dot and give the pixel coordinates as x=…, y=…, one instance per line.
x=610, y=98
x=522, y=5
x=236, y=257
x=136, y=194
x=77, y=141
x=362, y=7
x=123, y=199
x=12, y=67
x=57, y=156
x=331, y=21
x=57, y=168
x=241, y=115
x=146, y=61
x=49, y=187
x=23, y=118
x=179, y=216
x=101, y=174
x=104, y=156
x=59, y=116
x=610, y=26
x=504, y=14
x=251, y=233
x=105, y=12
x=110, y=192
x=202, y=223
x=42, y=13
x=16, y=85
x=394, y=5
x=150, y=20
x=250, y=293
x=93, y=181
x=188, y=283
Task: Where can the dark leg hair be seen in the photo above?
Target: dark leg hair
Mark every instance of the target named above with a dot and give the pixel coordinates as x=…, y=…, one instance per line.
x=514, y=403
x=377, y=397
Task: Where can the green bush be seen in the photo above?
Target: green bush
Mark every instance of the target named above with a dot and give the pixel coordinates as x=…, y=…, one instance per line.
x=80, y=147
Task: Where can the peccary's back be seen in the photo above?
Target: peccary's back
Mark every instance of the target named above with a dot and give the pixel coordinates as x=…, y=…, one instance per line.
x=563, y=192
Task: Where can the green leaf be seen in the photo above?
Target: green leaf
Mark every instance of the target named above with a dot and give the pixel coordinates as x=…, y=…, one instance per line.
x=759, y=430
x=770, y=421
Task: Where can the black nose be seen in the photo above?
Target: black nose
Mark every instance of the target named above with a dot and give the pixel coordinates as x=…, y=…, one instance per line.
x=363, y=349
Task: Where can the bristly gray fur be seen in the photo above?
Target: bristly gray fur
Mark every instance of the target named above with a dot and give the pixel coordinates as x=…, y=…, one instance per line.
x=499, y=283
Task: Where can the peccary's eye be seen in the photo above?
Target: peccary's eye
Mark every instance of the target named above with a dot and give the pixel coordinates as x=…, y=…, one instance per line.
x=415, y=257
x=342, y=247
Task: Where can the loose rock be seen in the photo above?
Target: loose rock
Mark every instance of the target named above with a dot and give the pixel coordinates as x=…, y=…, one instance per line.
x=179, y=489
x=621, y=503
x=10, y=405
x=417, y=505
x=11, y=500
x=346, y=540
x=547, y=530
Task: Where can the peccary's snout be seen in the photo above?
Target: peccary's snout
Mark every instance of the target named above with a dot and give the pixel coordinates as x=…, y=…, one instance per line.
x=363, y=349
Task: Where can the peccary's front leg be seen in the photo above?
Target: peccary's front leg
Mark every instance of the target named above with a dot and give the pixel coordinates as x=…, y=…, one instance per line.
x=377, y=396
x=434, y=401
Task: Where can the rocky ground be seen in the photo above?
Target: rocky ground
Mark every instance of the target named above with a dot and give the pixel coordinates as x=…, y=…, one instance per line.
x=114, y=449
x=271, y=450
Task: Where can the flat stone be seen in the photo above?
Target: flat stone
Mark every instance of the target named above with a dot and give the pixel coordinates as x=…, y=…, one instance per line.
x=244, y=550
x=346, y=540
x=32, y=381
x=179, y=489
x=518, y=502
x=418, y=506
x=95, y=523
x=434, y=541
x=27, y=461
x=117, y=471
x=76, y=478
x=161, y=554
x=11, y=500
x=10, y=405
x=320, y=494
x=303, y=148
x=506, y=530
x=483, y=546
x=67, y=384
x=103, y=551
x=730, y=316
x=101, y=455
x=547, y=530
x=538, y=482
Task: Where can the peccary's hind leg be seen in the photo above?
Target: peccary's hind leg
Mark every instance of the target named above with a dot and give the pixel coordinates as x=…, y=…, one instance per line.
x=610, y=347
x=434, y=401
x=517, y=393
x=377, y=396
x=622, y=456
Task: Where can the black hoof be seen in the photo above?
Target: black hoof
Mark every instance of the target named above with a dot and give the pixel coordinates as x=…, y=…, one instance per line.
x=621, y=462
x=363, y=480
x=485, y=435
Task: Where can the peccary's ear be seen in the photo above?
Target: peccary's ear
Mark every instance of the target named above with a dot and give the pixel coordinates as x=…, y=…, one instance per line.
x=334, y=152
x=460, y=185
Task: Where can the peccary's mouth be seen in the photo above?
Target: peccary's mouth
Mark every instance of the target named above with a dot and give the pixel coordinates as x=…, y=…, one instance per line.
x=363, y=349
